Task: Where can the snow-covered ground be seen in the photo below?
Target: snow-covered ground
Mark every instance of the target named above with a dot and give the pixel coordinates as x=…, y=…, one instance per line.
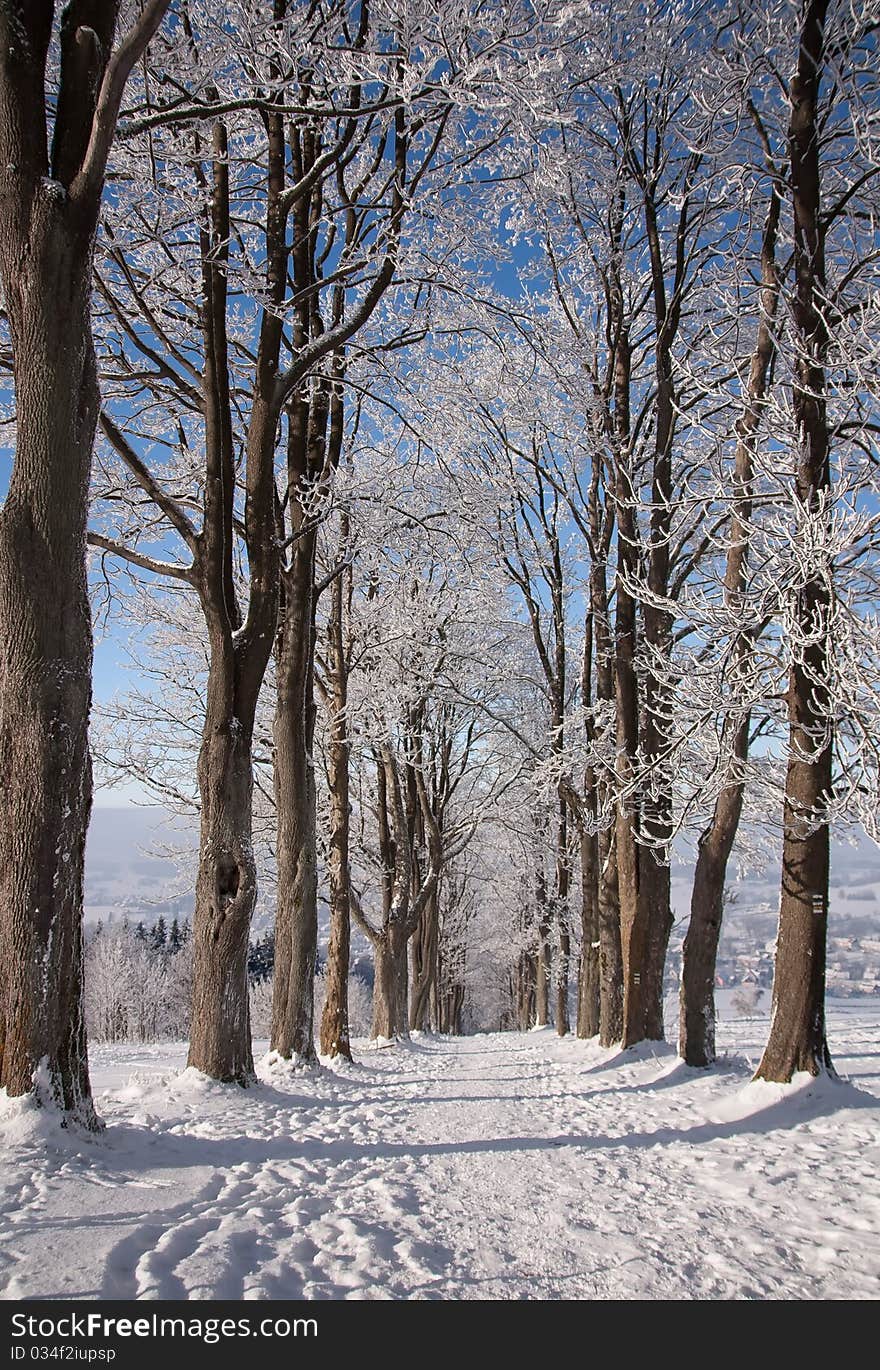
x=488, y=1167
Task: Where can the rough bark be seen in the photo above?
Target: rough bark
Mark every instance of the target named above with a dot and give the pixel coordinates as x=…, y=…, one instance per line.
x=644, y=1012
x=697, y=1025
x=226, y=888
x=296, y=918
x=425, y=968
x=524, y=990
x=49, y=205
x=610, y=955
x=588, y=971
x=390, y=1017
x=239, y=647
x=557, y=684
x=564, y=957
x=315, y=438
x=451, y=1010
x=425, y=941
x=46, y=661
x=587, y=1024
x=391, y=944
x=536, y=523
x=797, y=1040
x=335, y=1040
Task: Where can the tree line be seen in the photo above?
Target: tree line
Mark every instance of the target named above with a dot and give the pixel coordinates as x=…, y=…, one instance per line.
x=471, y=412
x=138, y=983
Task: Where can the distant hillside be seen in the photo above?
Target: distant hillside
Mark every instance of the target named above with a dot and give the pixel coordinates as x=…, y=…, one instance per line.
x=854, y=904
x=126, y=874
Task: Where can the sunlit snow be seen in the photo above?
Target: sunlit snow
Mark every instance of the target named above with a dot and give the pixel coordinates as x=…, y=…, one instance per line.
x=504, y=1166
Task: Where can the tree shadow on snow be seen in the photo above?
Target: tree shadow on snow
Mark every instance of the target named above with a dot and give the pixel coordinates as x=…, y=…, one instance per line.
x=159, y=1150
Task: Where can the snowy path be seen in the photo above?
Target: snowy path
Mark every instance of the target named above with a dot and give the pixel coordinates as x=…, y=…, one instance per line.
x=501, y=1167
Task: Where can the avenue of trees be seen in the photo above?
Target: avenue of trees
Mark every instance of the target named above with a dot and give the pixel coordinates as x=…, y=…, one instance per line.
x=468, y=413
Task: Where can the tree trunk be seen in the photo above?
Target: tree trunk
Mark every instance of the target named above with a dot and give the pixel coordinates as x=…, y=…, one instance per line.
x=452, y=1005
x=564, y=958
x=390, y=984
x=526, y=977
x=606, y=1014
x=50, y=199
x=296, y=928
x=697, y=1029
x=543, y=957
x=610, y=956
x=797, y=1031
x=450, y=994
x=655, y=910
x=226, y=891
x=426, y=946
x=226, y=887
x=563, y=961
x=633, y=934
x=588, y=975
x=46, y=658
x=600, y=1001
x=588, y=968
x=654, y=891
x=334, y=1021
x=699, y=953
x=405, y=891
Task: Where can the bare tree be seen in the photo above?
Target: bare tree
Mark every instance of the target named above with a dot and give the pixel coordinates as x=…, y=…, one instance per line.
x=451, y=752
x=535, y=562
x=252, y=382
x=360, y=210
x=402, y=909
x=334, y=1019
x=697, y=1021
x=797, y=1032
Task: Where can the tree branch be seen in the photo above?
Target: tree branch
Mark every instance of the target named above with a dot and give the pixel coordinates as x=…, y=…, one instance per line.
x=357, y=913
x=87, y=184
x=148, y=482
x=146, y=563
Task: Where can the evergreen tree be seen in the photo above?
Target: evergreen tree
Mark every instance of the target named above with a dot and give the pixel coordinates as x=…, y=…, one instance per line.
x=261, y=958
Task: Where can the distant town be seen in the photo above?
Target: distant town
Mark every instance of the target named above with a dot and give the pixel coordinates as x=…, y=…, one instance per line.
x=745, y=958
